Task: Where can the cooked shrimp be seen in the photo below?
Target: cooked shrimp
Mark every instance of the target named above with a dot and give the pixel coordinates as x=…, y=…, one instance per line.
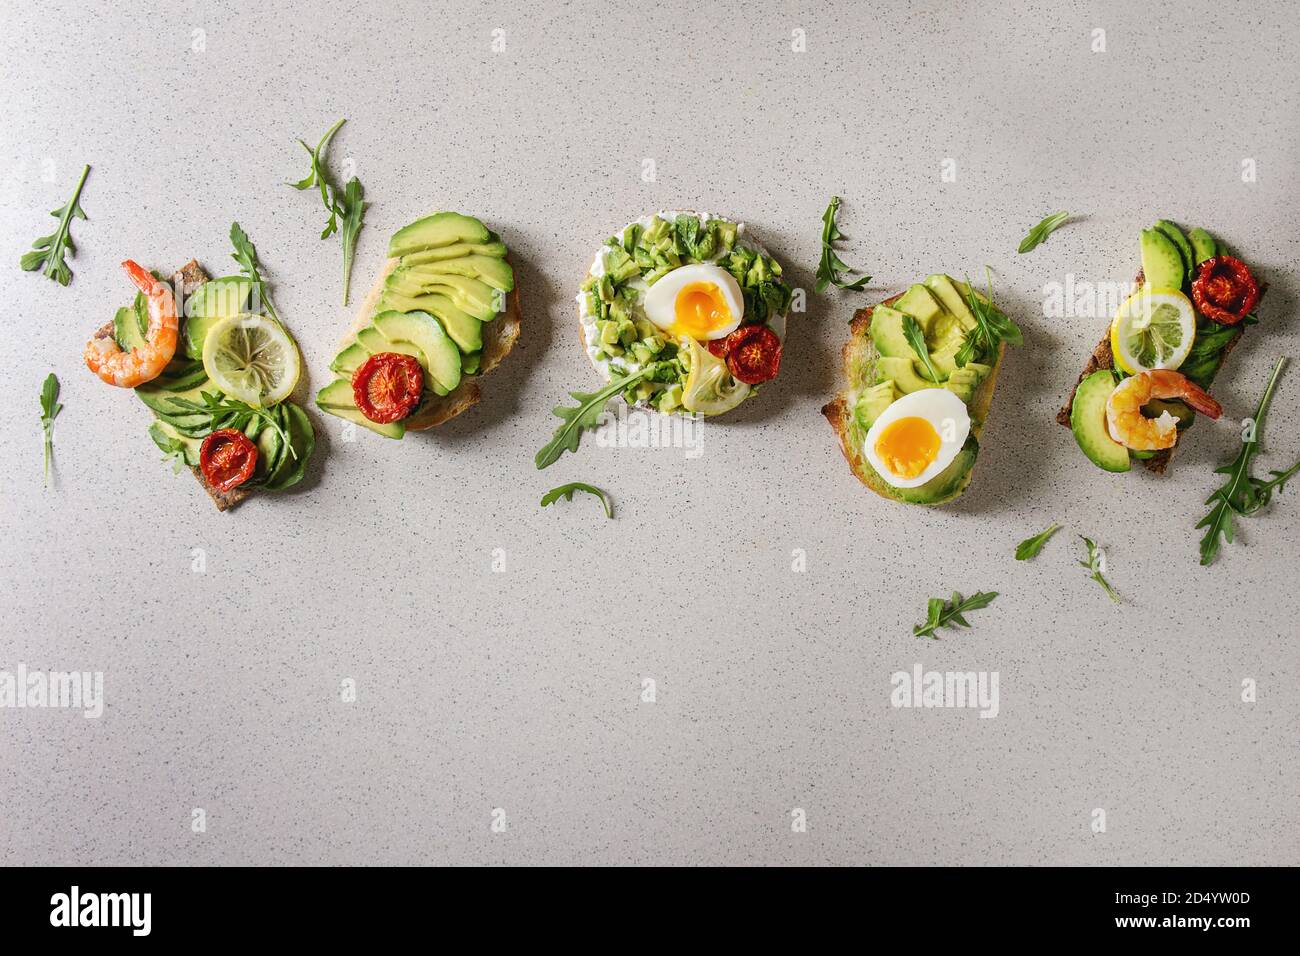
x=1132, y=429
x=146, y=362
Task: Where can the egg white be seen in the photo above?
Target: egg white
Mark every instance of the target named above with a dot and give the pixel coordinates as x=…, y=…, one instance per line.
x=939, y=407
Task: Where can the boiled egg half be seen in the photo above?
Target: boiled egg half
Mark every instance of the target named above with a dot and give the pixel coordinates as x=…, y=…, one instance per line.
x=917, y=437
x=700, y=301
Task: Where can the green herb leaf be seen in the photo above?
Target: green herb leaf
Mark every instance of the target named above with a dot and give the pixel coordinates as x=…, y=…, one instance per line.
x=1030, y=547
x=941, y=613
x=1096, y=563
x=49, y=251
x=246, y=255
x=992, y=327
x=224, y=412
x=916, y=339
x=1242, y=493
x=566, y=492
x=1041, y=231
x=174, y=452
x=353, y=211
x=342, y=204
x=831, y=265
x=583, y=416
x=50, y=409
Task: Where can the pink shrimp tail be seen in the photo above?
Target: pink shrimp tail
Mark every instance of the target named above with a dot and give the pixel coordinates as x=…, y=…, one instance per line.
x=145, y=282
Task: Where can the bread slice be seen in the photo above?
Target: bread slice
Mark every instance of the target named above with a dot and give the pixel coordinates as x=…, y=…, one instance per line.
x=189, y=277
x=499, y=337
x=1103, y=358
x=860, y=357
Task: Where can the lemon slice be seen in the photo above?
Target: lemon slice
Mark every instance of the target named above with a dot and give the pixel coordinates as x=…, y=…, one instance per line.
x=251, y=358
x=1154, y=328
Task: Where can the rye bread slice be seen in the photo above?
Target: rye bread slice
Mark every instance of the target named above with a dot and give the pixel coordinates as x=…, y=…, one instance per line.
x=190, y=276
x=1103, y=358
x=860, y=357
x=499, y=337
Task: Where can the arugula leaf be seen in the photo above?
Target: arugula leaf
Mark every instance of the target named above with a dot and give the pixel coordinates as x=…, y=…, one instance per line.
x=828, y=270
x=174, y=451
x=566, y=492
x=353, y=211
x=1242, y=493
x=992, y=327
x=342, y=204
x=49, y=250
x=584, y=416
x=50, y=409
x=916, y=338
x=1094, y=563
x=1045, y=228
x=1030, y=547
x=941, y=613
x=246, y=255
x=224, y=412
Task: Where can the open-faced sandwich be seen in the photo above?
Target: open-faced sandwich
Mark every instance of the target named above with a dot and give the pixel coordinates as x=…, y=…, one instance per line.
x=1149, y=375
x=687, y=311
x=216, y=370
x=921, y=369
x=444, y=311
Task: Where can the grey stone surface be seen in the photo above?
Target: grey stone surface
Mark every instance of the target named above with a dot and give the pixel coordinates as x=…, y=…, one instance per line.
x=522, y=689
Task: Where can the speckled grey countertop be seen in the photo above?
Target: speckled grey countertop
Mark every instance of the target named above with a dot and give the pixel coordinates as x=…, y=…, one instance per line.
x=500, y=653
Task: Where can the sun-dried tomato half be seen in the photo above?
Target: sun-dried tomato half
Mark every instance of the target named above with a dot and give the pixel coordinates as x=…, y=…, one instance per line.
x=387, y=386
x=1224, y=290
x=718, y=346
x=227, y=459
x=753, y=354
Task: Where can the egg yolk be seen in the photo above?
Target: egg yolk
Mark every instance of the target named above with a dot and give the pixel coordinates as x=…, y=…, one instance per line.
x=700, y=309
x=908, y=446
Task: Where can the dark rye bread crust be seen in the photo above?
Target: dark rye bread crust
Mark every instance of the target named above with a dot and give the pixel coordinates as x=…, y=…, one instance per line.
x=859, y=351
x=1103, y=358
x=191, y=275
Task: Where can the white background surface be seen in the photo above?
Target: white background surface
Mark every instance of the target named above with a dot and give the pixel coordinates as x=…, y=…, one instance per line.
x=521, y=690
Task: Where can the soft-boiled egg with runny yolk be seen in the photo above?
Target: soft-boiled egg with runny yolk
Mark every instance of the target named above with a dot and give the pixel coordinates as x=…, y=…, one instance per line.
x=700, y=301
x=917, y=437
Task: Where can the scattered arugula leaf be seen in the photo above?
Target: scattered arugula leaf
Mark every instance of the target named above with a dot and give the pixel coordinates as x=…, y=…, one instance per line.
x=246, y=255
x=50, y=409
x=916, y=339
x=1243, y=494
x=585, y=415
x=1030, y=547
x=175, y=453
x=831, y=265
x=225, y=412
x=1045, y=228
x=941, y=613
x=49, y=250
x=566, y=492
x=1096, y=563
x=345, y=204
x=992, y=327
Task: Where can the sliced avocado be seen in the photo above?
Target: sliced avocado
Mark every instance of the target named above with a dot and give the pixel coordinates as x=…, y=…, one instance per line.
x=963, y=387
x=470, y=362
x=302, y=440
x=497, y=249
x=1162, y=263
x=269, y=451
x=439, y=355
x=212, y=301
x=126, y=330
x=1179, y=410
x=1203, y=245
x=350, y=359
x=948, y=483
x=374, y=341
x=465, y=330
x=472, y=295
x=162, y=434
x=1175, y=235
x=489, y=269
x=440, y=229
x=159, y=397
x=953, y=299
x=872, y=401
x=887, y=332
x=336, y=398
x=181, y=375
x=920, y=303
x=903, y=373
x=1088, y=420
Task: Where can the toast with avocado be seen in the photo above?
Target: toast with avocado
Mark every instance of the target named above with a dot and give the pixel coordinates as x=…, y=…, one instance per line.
x=920, y=369
x=216, y=370
x=1166, y=344
x=443, y=312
